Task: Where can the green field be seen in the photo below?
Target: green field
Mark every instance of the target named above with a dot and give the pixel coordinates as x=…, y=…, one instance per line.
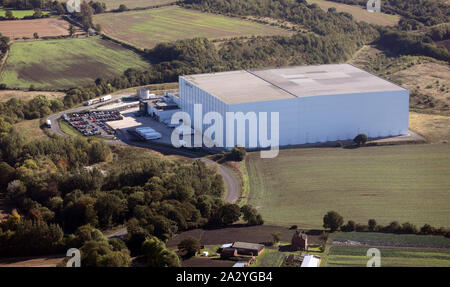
x=270, y=258
x=20, y=13
x=390, y=257
x=60, y=64
x=147, y=28
x=387, y=183
x=389, y=239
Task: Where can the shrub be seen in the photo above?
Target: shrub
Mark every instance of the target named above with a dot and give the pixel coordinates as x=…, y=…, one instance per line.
x=360, y=139
x=238, y=153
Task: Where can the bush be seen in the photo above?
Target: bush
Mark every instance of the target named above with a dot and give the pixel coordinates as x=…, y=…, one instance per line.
x=238, y=154
x=360, y=139
x=190, y=245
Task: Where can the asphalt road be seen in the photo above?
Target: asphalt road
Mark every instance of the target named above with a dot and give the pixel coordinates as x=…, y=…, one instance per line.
x=232, y=183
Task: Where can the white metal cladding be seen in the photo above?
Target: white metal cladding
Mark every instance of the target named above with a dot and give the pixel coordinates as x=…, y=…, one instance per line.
x=318, y=118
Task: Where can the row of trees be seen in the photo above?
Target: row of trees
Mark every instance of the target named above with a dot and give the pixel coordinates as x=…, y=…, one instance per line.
x=334, y=221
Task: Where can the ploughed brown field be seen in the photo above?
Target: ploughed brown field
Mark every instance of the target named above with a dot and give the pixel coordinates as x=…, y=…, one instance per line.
x=17, y=29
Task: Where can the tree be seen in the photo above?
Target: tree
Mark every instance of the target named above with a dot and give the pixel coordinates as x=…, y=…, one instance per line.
x=98, y=28
x=122, y=8
x=60, y=9
x=238, y=153
x=349, y=227
x=86, y=13
x=71, y=30
x=229, y=213
x=427, y=229
x=110, y=208
x=275, y=237
x=9, y=14
x=251, y=215
x=7, y=173
x=157, y=255
x=360, y=139
x=189, y=245
x=372, y=223
x=101, y=254
x=333, y=220
x=37, y=13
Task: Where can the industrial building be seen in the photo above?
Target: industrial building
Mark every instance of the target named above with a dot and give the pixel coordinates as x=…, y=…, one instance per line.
x=315, y=103
x=161, y=108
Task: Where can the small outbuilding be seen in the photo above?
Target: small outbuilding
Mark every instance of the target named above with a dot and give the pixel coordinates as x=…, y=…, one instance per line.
x=241, y=264
x=228, y=252
x=244, y=248
x=310, y=261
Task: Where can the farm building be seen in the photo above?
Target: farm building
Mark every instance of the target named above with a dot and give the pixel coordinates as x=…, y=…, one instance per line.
x=315, y=103
x=299, y=241
x=161, y=108
x=310, y=261
x=244, y=248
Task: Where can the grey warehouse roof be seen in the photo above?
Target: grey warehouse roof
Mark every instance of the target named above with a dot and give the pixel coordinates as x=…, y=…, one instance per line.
x=258, y=85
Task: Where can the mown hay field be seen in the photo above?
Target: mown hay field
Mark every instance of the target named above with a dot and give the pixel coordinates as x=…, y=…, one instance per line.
x=147, y=28
x=61, y=64
x=387, y=183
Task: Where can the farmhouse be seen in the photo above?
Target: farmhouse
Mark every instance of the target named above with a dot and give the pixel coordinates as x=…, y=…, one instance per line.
x=299, y=241
x=314, y=104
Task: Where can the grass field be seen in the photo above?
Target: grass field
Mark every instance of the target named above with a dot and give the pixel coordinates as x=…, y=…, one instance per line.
x=6, y=95
x=390, y=257
x=147, y=28
x=359, y=13
x=60, y=64
x=403, y=183
x=390, y=239
x=30, y=129
x=435, y=128
x=270, y=258
x=20, y=13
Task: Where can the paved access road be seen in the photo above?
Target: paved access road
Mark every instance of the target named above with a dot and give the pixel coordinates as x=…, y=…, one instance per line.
x=232, y=183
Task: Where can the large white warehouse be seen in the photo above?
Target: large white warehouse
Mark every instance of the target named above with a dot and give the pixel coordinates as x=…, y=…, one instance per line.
x=315, y=103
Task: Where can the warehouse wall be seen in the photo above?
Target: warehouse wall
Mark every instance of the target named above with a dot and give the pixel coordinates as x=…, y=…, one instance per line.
x=337, y=117
x=191, y=94
x=318, y=118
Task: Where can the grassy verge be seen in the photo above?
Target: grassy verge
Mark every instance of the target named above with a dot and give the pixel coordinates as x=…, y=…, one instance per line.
x=68, y=129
